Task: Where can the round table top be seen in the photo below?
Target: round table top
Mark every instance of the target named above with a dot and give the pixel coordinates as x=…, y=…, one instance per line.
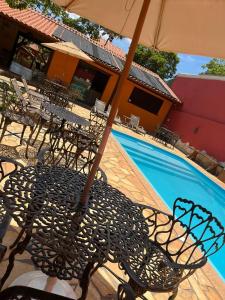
x=44, y=200
x=65, y=114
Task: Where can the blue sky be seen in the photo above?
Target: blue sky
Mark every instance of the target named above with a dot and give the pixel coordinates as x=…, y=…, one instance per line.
x=189, y=64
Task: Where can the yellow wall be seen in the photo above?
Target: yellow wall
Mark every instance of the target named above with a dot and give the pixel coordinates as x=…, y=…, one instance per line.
x=148, y=120
x=63, y=67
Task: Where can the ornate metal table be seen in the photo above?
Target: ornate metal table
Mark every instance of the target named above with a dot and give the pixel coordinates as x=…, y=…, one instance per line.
x=65, y=114
x=45, y=202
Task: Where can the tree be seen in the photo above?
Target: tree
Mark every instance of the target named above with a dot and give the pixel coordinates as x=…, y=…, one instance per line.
x=47, y=7
x=83, y=25
x=215, y=66
x=90, y=29
x=162, y=63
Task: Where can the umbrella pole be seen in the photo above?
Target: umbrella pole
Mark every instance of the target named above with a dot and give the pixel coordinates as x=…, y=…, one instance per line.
x=115, y=102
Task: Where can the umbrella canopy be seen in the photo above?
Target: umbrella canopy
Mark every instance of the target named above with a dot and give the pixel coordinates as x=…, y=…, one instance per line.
x=184, y=26
x=68, y=48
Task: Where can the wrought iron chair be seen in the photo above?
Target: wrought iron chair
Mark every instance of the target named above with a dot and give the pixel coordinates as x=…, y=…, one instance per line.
x=178, y=245
x=32, y=93
x=97, y=126
x=15, y=110
x=7, y=166
x=58, y=98
x=28, y=293
x=72, y=148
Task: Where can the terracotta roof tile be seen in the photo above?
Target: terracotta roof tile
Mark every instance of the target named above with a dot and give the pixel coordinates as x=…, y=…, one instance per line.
x=115, y=60
x=30, y=18
x=112, y=48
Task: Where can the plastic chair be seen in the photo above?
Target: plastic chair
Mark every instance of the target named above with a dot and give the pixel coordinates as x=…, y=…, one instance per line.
x=99, y=107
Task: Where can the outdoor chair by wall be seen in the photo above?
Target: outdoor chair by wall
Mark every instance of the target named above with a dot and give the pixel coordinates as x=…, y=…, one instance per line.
x=7, y=166
x=133, y=123
x=99, y=107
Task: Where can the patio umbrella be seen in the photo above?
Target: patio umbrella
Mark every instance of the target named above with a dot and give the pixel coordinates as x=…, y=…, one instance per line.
x=184, y=26
x=68, y=48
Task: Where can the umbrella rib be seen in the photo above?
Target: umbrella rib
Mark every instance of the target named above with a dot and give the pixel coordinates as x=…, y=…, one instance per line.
x=129, y=11
x=68, y=5
x=159, y=23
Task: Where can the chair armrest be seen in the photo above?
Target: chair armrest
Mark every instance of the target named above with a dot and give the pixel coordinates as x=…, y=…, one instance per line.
x=156, y=219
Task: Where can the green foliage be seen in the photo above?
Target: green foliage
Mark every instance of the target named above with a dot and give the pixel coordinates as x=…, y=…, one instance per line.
x=47, y=7
x=83, y=25
x=215, y=66
x=89, y=28
x=162, y=63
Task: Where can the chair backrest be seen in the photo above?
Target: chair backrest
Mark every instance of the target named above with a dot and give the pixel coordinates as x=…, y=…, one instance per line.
x=100, y=106
x=25, y=85
x=8, y=166
x=74, y=149
x=192, y=234
x=19, y=93
x=17, y=88
x=134, y=120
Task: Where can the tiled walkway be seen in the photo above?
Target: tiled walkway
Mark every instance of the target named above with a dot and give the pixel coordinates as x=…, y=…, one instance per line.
x=205, y=284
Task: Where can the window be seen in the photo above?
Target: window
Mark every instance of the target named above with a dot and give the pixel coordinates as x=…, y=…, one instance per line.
x=145, y=101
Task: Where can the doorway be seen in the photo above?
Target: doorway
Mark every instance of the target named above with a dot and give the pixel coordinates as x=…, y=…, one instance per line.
x=89, y=83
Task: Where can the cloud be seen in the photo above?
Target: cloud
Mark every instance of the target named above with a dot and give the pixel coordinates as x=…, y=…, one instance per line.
x=73, y=16
x=187, y=58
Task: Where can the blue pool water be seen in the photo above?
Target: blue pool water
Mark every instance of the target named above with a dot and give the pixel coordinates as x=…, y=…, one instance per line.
x=173, y=177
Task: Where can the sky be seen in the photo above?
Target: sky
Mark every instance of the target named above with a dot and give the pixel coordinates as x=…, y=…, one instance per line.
x=189, y=64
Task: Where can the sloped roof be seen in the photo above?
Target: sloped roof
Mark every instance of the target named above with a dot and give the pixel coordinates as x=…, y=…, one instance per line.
x=29, y=17
x=108, y=55
x=92, y=48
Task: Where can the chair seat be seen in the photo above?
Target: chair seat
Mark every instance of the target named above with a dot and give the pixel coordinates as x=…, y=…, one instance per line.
x=153, y=270
x=18, y=118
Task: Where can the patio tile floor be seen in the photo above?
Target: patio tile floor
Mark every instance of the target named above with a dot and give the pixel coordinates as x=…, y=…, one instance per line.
x=205, y=284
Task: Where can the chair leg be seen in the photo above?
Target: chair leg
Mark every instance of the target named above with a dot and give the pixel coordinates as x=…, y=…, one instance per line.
x=2, y=121
x=5, y=125
x=22, y=134
x=17, y=239
x=43, y=140
x=28, y=141
x=38, y=127
x=84, y=282
x=173, y=296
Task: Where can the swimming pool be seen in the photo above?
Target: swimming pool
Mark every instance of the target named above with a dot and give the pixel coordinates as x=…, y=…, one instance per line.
x=172, y=177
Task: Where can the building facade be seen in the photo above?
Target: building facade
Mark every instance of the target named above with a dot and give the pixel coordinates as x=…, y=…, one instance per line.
x=200, y=120
x=144, y=94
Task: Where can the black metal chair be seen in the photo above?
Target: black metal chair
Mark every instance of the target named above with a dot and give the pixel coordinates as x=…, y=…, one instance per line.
x=178, y=245
x=71, y=148
x=15, y=110
x=28, y=293
x=7, y=166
